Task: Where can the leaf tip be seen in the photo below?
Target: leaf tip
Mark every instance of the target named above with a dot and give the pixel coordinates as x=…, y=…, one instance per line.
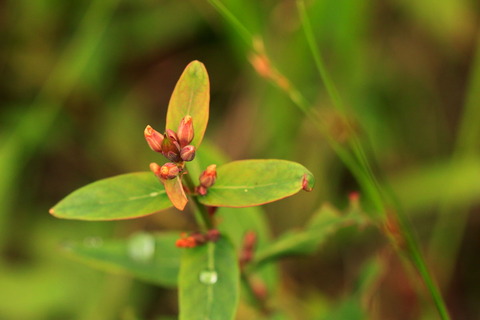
x=308, y=182
x=51, y=211
x=196, y=69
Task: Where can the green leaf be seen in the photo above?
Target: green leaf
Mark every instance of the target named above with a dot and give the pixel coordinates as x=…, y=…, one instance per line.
x=209, y=282
x=255, y=182
x=175, y=192
x=325, y=222
x=125, y=196
x=191, y=96
x=153, y=258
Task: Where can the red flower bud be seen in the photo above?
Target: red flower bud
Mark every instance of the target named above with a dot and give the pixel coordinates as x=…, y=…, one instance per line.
x=169, y=171
x=188, y=242
x=208, y=177
x=154, y=139
x=213, y=235
x=187, y=153
x=170, y=148
x=201, y=190
x=199, y=238
x=185, y=131
x=155, y=168
x=171, y=135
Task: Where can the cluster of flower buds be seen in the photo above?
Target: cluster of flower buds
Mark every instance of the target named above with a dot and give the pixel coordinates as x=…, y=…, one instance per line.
x=196, y=239
x=175, y=146
x=207, y=179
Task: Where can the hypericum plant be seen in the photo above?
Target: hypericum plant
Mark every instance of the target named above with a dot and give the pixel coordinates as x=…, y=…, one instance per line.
x=209, y=267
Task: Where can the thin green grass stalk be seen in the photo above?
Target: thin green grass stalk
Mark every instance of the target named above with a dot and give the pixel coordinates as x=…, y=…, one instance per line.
x=407, y=232
x=453, y=219
x=362, y=173
x=232, y=19
x=339, y=106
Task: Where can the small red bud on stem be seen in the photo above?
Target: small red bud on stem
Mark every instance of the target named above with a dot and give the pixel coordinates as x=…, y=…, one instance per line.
x=170, y=147
x=185, y=131
x=248, y=248
x=169, y=171
x=208, y=177
x=155, y=168
x=187, y=153
x=154, y=139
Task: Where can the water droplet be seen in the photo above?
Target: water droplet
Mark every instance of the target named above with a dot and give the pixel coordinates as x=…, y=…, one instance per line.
x=141, y=247
x=93, y=242
x=208, y=277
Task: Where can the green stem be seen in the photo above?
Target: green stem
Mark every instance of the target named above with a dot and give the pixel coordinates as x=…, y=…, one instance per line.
x=372, y=182
x=241, y=29
x=199, y=210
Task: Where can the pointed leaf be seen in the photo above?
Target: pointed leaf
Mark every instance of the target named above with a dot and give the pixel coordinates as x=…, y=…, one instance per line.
x=175, y=192
x=153, y=258
x=209, y=282
x=255, y=182
x=125, y=196
x=191, y=96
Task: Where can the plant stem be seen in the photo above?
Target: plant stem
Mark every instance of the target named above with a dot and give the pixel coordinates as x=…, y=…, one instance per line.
x=200, y=211
x=372, y=182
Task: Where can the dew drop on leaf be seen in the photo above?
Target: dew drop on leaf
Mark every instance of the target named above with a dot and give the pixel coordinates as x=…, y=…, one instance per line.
x=141, y=247
x=208, y=277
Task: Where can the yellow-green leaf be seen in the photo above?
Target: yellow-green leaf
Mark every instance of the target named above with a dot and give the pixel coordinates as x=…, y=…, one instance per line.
x=125, y=196
x=175, y=192
x=255, y=182
x=191, y=96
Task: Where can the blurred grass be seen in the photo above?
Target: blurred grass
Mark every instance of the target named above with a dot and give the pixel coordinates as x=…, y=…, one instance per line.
x=81, y=79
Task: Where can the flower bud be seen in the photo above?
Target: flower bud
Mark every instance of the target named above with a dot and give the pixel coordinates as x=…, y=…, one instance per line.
x=155, y=168
x=187, y=153
x=154, y=139
x=201, y=190
x=208, y=177
x=185, y=131
x=213, y=235
x=169, y=171
x=170, y=147
x=171, y=135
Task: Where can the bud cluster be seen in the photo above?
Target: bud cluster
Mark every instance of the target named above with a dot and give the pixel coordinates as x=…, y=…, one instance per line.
x=196, y=239
x=207, y=179
x=175, y=146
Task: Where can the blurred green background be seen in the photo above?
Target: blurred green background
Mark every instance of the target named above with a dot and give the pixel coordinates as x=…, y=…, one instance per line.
x=80, y=80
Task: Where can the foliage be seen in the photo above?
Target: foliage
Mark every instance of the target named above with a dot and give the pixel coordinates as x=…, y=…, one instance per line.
x=377, y=97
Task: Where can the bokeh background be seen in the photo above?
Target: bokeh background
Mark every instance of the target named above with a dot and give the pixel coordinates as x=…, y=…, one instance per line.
x=81, y=79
